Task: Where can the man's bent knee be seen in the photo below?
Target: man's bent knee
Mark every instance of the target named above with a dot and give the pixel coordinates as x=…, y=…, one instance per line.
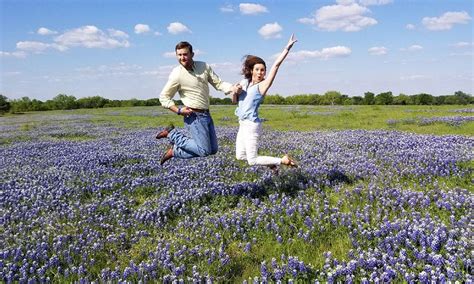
x=202, y=152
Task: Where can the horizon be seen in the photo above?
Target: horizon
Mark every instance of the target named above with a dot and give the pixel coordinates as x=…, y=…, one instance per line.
x=121, y=50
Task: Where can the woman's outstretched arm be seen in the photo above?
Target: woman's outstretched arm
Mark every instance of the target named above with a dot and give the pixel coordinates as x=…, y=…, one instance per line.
x=267, y=83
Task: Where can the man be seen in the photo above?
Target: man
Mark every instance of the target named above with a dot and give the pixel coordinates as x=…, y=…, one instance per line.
x=191, y=80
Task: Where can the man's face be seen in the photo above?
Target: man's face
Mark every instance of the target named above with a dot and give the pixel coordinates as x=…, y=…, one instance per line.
x=185, y=57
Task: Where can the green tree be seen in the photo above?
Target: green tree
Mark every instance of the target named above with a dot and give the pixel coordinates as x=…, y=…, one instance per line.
x=63, y=101
x=92, y=102
x=439, y=100
x=21, y=105
x=153, y=102
x=226, y=101
x=220, y=101
x=114, y=103
x=315, y=99
x=401, y=99
x=132, y=103
x=304, y=99
x=357, y=100
x=423, y=99
x=293, y=100
x=462, y=98
x=274, y=100
x=385, y=98
x=369, y=98
x=37, y=105
x=345, y=100
x=4, y=104
x=332, y=98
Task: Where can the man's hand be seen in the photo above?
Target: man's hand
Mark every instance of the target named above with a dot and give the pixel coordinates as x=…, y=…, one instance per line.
x=236, y=89
x=186, y=111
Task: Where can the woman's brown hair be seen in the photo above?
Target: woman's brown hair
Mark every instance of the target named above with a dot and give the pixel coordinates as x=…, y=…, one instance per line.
x=249, y=63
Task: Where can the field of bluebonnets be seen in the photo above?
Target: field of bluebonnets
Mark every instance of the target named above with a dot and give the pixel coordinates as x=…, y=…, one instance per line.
x=382, y=194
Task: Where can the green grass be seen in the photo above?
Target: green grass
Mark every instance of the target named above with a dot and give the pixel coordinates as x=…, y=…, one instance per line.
x=301, y=118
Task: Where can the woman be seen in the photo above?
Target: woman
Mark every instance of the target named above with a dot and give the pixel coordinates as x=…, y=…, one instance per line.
x=254, y=89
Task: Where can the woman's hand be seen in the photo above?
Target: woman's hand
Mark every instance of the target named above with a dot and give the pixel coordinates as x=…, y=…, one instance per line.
x=236, y=90
x=291, y=41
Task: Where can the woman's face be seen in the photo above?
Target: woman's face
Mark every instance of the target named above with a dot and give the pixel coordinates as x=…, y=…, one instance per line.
x=258, y=73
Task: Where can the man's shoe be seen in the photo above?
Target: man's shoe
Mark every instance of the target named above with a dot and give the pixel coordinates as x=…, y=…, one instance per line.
x=166, y=156
x=164, y=133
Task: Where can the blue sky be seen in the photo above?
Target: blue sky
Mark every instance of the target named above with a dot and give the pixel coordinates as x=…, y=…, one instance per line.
x=124, y=49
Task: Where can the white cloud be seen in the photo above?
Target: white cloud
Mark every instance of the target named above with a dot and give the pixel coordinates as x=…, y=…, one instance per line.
x=348, y=18
x=446, y=21
x=32, y=46
x=307, y=21
x=229, y=66
x=15, y=54
x=161, y=72
x=467, y=53
x=413, y=77
x=375, y=2
x=227, y=9
x=91, y=37
x=171, y=54
x=177, y=28
x=325, y=53
x=364, y=2
x=415, y=47
x=38, y=47
x=378, y=50
x=345, y=2
x=11, y=73
x=142, y=29
x=410, y=27
x=117, y=33
x=157, y=33
x=119, y=70
x=462, y=44
x=252, y=9
x=269, y=31
x=45, y=31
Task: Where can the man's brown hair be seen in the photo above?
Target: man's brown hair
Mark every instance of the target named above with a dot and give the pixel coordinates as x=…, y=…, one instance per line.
x=184, y=44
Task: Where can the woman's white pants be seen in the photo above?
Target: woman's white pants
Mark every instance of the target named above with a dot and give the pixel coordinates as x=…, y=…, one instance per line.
x=247, y=144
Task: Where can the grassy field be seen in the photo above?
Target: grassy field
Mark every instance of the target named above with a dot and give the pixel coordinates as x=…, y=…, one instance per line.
x=301, y=118
x=83, y=198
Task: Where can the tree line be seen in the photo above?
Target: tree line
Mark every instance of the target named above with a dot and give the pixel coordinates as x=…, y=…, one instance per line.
x=64, y=102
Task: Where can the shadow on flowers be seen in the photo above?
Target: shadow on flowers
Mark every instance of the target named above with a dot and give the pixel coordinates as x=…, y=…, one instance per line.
x=290, y=182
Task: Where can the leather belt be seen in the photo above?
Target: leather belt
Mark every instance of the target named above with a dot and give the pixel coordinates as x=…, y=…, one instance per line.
x=200, y=110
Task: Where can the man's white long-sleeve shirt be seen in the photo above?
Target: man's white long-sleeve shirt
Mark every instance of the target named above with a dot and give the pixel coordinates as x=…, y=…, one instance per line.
x=192, y=86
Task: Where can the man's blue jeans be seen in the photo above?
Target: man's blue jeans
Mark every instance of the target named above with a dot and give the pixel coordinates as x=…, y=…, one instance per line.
x=203, y=140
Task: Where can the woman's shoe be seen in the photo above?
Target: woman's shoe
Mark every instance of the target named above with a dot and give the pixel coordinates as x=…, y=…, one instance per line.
x=288, y=161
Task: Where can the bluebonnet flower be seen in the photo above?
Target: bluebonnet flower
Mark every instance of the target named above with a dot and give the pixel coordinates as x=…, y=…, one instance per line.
x=113, y=189
x=263, y=270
